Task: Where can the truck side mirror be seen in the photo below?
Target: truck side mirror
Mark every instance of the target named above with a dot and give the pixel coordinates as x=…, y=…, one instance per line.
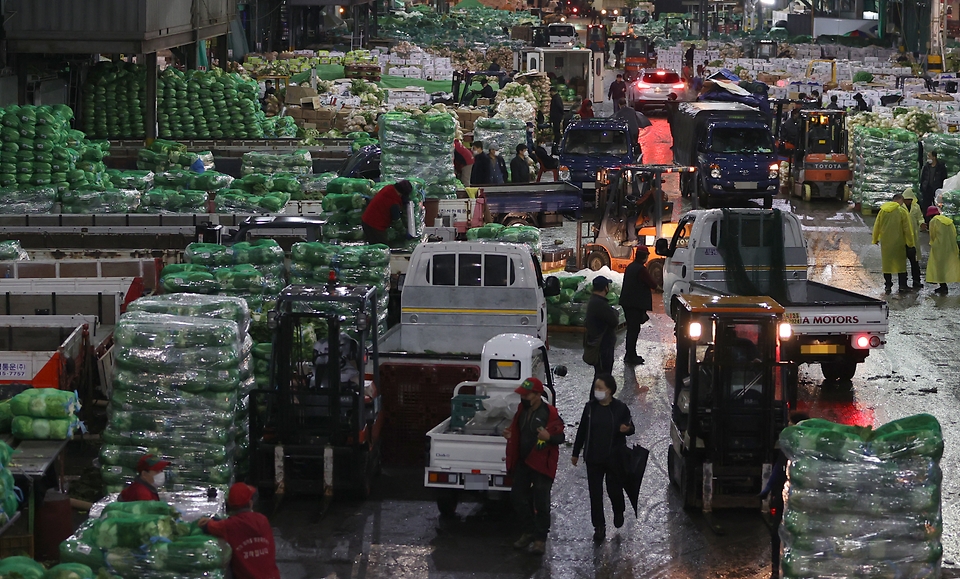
x=662, y=248
x=551, y=287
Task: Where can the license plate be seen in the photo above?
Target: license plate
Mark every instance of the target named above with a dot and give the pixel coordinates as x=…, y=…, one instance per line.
x=745, y=185
x=589, y=185
x=476, y=482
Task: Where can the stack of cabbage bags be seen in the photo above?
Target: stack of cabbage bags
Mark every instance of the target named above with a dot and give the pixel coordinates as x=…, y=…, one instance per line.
x=569, y=308
x=506, y=133
x=419, y=146
x=208, y=105
x=8, y=490
x=343, y=206
x=175, y=393
x=863, y=502
x=407, y=232
x=885, y=163
x=219, y=308
x=312, y=187
x=163, y=155
x=11, y=250
x=368, y=265
x=299, y=163
x=87, y=201
x=44, y=414
x=525, y=234
x=947, y=148
x=949, y=202
x=258, y=193
x=31, y=199
x=39, y=149
x=112, y=102
x=146, y=540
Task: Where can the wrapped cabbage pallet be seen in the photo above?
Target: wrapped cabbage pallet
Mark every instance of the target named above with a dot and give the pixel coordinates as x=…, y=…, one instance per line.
x=176, y=386
x=145, y=540
x=418, y=146
x=861, y=502
x=885, y=163
x=44, y=414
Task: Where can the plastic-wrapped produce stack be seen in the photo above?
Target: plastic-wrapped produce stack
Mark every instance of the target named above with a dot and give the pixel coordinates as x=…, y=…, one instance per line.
x=343, y=207
x=311, y=263
x=175, y=393
x=298, y=163
x=506, y=133
x=885, y=163
x=163, y=155
x=145, y=540
x=399, y=234
x=8, y=492
x=258, y=193
x=11, y=250
x=570, y=307
x=861, y=502
x=949, y=202
x=251, y=270
x=525, y=234
x=947, y=147
x=219, y=308
x=85, y=201
x=44, y=414
x=419, y=146
x=208, y=105
x=112, y=101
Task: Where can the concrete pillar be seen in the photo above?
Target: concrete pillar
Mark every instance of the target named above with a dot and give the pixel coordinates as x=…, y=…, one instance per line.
x=150, y=115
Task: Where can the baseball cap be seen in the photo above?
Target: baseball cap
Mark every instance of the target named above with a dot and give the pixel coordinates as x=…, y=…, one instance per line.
x=240, y=495
x=932, y=210
x=493, y=147
x=531, y=384
x=150, y=463
x=600, y=283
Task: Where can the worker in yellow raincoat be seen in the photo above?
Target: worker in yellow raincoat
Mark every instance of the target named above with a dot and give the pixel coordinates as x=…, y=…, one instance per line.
x=893, y=232
x=912, y=206
x=943, y=265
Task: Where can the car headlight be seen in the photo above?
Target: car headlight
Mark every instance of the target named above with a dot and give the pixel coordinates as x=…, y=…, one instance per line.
x=774, y=171
x=715, y=171
x=564, y=173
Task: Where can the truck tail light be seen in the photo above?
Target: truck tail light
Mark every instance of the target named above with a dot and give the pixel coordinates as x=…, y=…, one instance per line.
x=866, y=341
x=444, y=478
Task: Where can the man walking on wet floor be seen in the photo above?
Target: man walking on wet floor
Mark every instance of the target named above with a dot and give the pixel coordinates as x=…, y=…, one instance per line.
x=893, y=232
x=636, y=300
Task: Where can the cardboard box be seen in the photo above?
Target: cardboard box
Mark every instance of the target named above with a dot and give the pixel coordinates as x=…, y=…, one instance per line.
x=296, y=93
x=311, y=102
x=483, y=102
x=326, y=113
x=295, y=112
x=309, y=115
x=322, y=125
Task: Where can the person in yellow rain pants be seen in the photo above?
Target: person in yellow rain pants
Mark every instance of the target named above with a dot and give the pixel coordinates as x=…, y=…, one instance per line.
x=943, y=265
x=912, y=206
x=893, y=232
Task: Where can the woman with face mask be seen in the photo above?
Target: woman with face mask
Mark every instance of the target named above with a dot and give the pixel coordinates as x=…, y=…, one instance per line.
x=150, y=478
x=602, y=435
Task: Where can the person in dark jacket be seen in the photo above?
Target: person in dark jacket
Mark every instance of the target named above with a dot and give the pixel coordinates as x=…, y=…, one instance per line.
x=602, y=435
x=629, y=115
x=932, y=176
x=636, y=300
x=601, y=324
x=556, y=114
x=617, y=91
x=519, y=168
x=533, y=451
x=486, y=91
x=862, y=105
x=618, y=53
x=774, y=490
x=481, y=165
x=497, y=174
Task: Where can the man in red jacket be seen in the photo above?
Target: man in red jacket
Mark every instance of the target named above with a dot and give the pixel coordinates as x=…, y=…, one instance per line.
x=249, y=535
x=150, y=477
x=533, y=450
x=383, y=209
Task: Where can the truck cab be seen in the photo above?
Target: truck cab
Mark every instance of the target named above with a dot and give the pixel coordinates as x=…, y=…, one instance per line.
x=591, y=145
x=729, y=399
x=562, y=35
x=467, y=451
x=731, y=145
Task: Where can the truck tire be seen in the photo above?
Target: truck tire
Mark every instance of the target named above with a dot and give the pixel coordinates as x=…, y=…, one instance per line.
x=447, y=500
x=768, y=201
x=655, y=269
x=840, y=371
x=598, y=259
x=685, y=185
x=518, y=220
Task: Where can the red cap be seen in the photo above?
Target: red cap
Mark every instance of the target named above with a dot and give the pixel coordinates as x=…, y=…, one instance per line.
x=150, y=463
x=240, y=495
x=530, y=385
x=932, y=210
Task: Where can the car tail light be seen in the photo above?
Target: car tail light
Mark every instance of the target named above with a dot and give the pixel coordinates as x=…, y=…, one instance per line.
x=679, y=86
x=641, y=84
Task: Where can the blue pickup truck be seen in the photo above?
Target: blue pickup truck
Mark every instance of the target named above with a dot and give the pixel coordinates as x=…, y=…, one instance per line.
x=731, y=146
x=591, y=145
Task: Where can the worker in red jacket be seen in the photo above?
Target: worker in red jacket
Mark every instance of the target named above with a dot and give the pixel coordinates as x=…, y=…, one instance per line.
x=383, y=209
x=533, y=450
x=150, y=477
x=462, y=162
x=249, y=535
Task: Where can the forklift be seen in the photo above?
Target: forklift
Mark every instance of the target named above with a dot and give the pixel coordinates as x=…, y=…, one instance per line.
x=639, y=53
x=316, y=429
x=630, y=203
x=597, y=40
x=765, y=49
x=465, y=78
x=730, y=398
x=819, y=165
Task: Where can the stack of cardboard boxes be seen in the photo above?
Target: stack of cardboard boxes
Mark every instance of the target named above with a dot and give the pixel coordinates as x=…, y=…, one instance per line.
x=468, y=117
x=417, y=64
x=306, y=108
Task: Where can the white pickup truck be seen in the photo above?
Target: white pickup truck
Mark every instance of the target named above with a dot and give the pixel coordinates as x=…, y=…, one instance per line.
x=467, y=451
x=763, y=252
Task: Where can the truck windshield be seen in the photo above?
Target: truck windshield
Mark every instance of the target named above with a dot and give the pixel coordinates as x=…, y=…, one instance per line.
x=636, y=47
x=740, y=140
x=596, y=142
x=563, y=30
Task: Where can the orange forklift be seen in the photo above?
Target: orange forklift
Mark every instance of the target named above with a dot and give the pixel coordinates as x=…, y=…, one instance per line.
x=639, y=53
x=632, y=210
x=819, y=164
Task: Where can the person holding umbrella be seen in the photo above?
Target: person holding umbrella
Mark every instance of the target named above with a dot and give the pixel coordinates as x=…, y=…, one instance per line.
x=602, y=436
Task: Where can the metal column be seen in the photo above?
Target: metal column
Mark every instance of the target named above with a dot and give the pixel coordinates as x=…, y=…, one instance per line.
x=223, y=50
x=150, y=114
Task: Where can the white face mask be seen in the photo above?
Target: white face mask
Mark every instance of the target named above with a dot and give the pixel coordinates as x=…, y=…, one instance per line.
x=159, y=479
x=600, y=396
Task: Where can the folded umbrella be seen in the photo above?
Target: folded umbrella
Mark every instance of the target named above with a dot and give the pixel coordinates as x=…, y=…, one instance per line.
x=634, y=465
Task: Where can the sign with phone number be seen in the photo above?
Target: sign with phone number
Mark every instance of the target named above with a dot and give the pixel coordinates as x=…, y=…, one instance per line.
x=13, y=370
